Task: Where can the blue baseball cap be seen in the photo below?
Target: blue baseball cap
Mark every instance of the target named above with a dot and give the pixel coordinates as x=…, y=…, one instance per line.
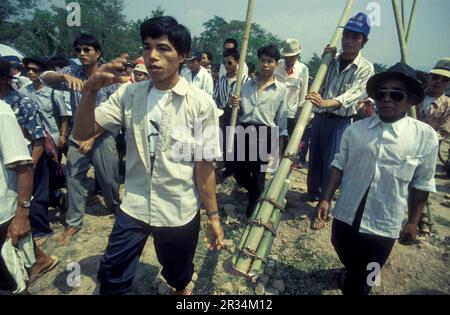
x=360, y=23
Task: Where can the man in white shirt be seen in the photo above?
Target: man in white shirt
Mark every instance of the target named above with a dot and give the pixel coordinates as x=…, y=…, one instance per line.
x=383, y=161
x=166, y=120
x=197, y=75
x=294, y=74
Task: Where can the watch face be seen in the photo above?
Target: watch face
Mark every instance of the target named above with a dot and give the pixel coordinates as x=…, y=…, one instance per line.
x=26, y=204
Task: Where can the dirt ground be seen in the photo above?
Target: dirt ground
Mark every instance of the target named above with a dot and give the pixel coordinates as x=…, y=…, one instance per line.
x=302, y=261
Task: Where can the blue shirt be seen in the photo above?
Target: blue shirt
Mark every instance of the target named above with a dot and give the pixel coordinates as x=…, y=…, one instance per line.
x=27, y=114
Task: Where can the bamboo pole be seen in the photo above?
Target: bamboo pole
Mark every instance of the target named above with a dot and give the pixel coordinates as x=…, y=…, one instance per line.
x=275, y=190
x=237, y=92
x=403, y=45
x=411, y=21
x=403, y=14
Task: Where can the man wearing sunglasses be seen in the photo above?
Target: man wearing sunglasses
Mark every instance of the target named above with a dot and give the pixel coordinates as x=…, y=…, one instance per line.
x=52, y=106
x=222, y=96
x=100, y=150
x=335, y=105
x=386, y=163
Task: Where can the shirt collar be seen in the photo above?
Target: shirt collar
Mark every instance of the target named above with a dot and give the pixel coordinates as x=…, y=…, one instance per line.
x=356, y=61
x=396, y=127
x=275, y=82
x=181, y=87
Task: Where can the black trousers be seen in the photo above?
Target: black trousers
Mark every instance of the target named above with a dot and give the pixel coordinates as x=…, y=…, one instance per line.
x=224, y=122
x=175, y=249
x=7, y=282
x=357, y=250
x=248, y=173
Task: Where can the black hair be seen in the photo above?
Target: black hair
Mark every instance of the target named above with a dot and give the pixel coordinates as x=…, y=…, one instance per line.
x=178, y=35
x=233, y=52
x=215, y=67
x=210, y=57
x=251, y=67
x=271, y=51
x=58, y=61
x=87, y=40
x=232, y=41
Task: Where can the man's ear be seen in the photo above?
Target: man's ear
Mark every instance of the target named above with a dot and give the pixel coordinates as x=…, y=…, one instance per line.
x=366, y=39
x=182, y=58
x=98, y=53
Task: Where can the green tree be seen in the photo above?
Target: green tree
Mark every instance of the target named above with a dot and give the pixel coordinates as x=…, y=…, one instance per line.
x=313, y=64
x=378, y=67
x=217, y=29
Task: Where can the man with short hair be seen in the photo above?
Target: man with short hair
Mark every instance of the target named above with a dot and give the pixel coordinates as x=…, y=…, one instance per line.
x=222, y=95
x=30, y=120
x=197, y=75
x=206, y=61
x=230, y=43
x=383, y=160
x=52, y=106
x=264, y=113
x=100, y=150
x=20, y=80
x=172, y=138
x=335, y=106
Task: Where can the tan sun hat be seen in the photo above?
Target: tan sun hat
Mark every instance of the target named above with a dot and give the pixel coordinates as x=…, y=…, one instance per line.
x=291, y=48
x=442, y=67
x=141, y=68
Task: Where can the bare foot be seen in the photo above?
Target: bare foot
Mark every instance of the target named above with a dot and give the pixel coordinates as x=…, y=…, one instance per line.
x=317, y=224
x=67, y=235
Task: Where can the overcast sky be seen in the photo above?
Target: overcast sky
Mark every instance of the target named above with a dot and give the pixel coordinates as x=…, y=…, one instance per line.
x=313, y=22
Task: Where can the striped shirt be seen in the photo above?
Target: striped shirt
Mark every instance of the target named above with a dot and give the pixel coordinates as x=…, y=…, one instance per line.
x=347, y=87
x=225, y=89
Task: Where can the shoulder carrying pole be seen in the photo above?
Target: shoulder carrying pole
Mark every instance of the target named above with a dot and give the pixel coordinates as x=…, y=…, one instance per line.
x=237, y=92
x=255, y=243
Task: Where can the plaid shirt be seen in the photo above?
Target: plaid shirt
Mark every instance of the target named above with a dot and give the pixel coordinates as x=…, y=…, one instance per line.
x=27, y=114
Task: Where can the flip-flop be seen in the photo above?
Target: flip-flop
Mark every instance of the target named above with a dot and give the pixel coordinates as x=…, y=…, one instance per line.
x=44, y=271
x=40, y=240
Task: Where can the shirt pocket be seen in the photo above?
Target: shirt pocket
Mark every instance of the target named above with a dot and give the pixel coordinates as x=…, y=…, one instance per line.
x=181, y=145
x=406, y=168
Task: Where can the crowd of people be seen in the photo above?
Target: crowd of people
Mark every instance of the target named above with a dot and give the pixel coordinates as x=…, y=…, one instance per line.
x=160, y=125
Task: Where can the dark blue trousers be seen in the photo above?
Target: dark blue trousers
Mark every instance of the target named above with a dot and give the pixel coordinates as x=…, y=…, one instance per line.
x=40, y=225
x=174, y=246
x=326, y=134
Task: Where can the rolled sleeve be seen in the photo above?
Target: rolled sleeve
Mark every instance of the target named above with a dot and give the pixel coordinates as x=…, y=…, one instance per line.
x=423, y=178
x=109, y=114
x=13, y=145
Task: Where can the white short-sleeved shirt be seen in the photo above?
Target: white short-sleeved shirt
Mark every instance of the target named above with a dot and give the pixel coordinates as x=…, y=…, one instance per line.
x=13, y=152
x=387, y=159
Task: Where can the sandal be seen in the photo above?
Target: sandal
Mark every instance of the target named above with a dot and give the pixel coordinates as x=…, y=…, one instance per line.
x=424, y=225
x=44, y=271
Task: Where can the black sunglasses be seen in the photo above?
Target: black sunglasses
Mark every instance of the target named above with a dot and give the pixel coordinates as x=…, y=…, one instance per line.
x=436, y=77
x=84, y=49
x=394, y=95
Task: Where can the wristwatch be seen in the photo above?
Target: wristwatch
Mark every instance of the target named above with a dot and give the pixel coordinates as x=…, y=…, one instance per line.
x=25, y=204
